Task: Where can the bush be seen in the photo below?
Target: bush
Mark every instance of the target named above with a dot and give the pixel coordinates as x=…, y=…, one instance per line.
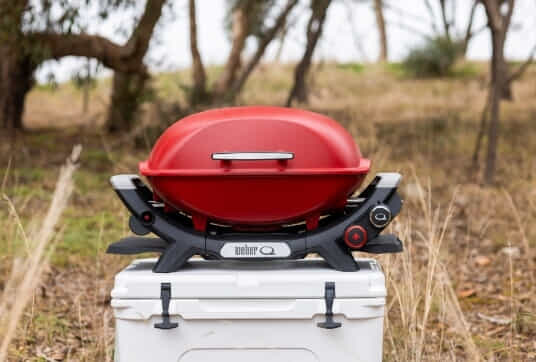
x=435, y=58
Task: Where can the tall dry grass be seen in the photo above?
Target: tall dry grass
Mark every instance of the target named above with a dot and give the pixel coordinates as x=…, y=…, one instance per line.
x=422, y=291
x=26, y=271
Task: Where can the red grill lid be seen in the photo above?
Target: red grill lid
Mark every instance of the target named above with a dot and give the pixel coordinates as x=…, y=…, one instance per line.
x=209, y=164
x=318, y=143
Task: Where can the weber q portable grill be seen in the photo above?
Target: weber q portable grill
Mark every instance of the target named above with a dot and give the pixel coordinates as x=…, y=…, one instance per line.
x=257, y=183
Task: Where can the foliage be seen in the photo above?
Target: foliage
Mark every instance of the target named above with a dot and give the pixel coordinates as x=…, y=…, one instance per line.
x=257, y=12
x=68, y=17
x=435, y=58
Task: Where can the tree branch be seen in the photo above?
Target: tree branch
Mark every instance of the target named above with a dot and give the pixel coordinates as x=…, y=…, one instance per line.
x=138, y=43
x=469, y=30
x=446, y=22
x=508, y=16
x=523, y=67
x=411, y=29
x=355, y=36
x=126, y=58
x=107, y=52
x=479, y=30
x=263, y=43
x=432, y=16
x=315, y=26
x=494, y=14
x=403, y=13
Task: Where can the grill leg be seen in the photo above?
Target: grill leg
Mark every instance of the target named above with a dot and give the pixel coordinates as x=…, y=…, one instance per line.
x=175, y=256
x=338, y=256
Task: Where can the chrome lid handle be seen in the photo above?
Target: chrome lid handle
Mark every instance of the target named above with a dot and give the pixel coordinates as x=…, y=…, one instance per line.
x=253, y=156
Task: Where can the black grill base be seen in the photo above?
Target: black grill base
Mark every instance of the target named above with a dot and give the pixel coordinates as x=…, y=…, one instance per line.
x=178, y=241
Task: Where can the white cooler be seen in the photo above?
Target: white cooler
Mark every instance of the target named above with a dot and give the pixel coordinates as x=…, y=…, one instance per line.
x=249, y=312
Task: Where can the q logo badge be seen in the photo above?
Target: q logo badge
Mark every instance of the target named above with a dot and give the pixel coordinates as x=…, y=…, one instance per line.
x=267, y=250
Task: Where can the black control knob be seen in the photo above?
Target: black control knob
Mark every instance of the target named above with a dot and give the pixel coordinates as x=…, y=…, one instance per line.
x=380, y=216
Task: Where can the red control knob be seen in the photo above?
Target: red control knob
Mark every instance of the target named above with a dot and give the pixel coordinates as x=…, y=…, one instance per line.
x=355, y=236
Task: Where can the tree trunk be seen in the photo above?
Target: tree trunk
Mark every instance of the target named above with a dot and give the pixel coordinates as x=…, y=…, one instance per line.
x=498, y=23
x=261, y=48
x=380, y=23
x=16, y=67
x=498, y=67
x=481, y=133
x=16, y=80
x=129, y=87
x=127, y=93
x=314, y=31
x=239, y=34
x=199, y=91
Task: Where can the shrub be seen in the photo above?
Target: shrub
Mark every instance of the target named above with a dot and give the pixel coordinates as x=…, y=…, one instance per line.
x=434, y=58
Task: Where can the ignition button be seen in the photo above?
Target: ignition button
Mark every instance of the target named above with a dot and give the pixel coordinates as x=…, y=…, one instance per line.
x=355, y=236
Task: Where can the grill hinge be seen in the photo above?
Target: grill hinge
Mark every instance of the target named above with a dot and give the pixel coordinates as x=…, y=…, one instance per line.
x=329, y=297
x=165, y=296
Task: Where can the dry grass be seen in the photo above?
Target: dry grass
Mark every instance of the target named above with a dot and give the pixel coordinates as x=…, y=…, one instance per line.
x=454, y=294
x=26, y=273
x=422, y=292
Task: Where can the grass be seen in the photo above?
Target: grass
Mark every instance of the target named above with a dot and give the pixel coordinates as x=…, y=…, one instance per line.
x=424, y=129
x=25, y=273
x=353, y=67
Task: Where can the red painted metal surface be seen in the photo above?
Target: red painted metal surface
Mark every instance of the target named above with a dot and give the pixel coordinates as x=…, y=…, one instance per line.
x=325, y=169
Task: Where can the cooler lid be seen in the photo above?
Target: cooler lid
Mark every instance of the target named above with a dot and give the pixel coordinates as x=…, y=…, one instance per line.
x=203, y=279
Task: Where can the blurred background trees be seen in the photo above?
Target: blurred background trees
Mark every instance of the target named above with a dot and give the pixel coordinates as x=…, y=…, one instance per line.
x=35, y=31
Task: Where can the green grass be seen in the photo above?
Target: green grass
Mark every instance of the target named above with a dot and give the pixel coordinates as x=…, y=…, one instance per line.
x=96, y=159
x=397, y=69
x=353, y=67
x=87, y=235
x=465, y=70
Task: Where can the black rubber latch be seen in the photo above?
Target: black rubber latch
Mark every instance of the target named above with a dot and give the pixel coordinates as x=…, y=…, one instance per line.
x=165, y=296
x=329, y=296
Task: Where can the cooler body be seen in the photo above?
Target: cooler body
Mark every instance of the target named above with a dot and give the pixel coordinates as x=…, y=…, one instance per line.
x=249, y=312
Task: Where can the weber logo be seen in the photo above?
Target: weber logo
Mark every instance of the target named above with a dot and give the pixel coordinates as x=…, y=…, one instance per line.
x=245, y=250
x=255, y=250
